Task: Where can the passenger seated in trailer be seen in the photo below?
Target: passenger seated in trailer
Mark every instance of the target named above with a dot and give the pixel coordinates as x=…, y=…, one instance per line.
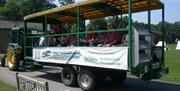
x=56, y=41
x=56, y=29
x=90, y=39
x=72, y=40
x=62, y=41
x=110, y=38
x=52, y=41
x=100, y=38
x=83, y=40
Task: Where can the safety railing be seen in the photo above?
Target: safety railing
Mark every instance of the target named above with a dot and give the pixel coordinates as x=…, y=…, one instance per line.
x=28, y=84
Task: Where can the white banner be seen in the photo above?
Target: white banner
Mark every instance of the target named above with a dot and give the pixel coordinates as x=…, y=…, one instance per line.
x=105, y=57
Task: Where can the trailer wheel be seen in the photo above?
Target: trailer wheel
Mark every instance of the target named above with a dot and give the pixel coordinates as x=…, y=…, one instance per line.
x=13, y=60
x=2, y=61
x=118, y=76
x=69, y=76
x=87, y=80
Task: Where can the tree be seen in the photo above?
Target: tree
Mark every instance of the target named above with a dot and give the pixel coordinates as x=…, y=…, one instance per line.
x=17, y=9
x=97, y=24
x=167, y=28
x=33, y=6
x=115, y=21
x=2, y=2
x=174, y=31
x=10, y=10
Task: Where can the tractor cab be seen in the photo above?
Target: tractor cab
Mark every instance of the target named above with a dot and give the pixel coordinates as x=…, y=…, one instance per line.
x=15, y=51
x=16, y=36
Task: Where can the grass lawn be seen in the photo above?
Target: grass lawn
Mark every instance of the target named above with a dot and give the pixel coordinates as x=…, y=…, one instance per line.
x=6, y=87
x=172, y=61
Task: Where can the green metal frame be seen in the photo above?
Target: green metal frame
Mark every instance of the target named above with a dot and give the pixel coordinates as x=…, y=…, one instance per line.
x=45, y=29
x=78, y=22
x=130, y=35
x=25, y=29
x=76, y=33
x=163, y=20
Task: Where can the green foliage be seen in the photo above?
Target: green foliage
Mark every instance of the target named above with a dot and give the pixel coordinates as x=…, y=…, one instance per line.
x=172, y=30
x=10, y=10
x=32, y=6
x=97, y=24
x=175, y=30
x=17, y=9
x=101, y=23
x=121, y=23
x=2, y=2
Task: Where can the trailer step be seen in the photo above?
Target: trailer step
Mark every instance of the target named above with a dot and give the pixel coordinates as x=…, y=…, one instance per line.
x=27, y=57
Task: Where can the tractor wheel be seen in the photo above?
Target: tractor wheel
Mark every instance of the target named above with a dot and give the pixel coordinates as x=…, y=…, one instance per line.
x=2, y=61
x=13, y=60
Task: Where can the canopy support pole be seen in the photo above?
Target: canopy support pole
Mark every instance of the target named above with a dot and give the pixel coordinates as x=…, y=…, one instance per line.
x=130, y=35
x=25, y=30
x=45, y=30
x=78, y=25
x=121, y=18
x=163, y=20
x=149, y=15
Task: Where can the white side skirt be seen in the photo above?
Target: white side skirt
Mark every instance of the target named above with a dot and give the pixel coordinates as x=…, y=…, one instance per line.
x=105, y=57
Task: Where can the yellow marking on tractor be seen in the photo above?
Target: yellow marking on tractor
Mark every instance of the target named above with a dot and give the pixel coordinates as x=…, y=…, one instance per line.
x=10, y=58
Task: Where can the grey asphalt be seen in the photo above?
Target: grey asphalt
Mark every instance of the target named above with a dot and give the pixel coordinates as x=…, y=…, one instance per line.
x=52, y=76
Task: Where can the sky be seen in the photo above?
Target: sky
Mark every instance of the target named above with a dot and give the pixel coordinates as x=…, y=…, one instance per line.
x=172, y=13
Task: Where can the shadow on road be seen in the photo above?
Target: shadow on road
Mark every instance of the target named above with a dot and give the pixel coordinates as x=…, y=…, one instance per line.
x=130, y=84
x=133, y=84
x=52, y=76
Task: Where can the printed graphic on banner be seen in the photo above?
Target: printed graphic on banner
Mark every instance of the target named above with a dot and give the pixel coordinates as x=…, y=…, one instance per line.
x=108, y=57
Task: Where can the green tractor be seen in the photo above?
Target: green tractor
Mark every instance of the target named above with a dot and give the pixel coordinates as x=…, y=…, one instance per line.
x=14, y=54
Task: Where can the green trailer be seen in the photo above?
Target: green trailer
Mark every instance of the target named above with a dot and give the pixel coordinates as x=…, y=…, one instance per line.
x=88, y=65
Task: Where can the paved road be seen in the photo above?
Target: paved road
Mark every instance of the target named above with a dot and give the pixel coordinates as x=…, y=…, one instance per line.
x=52, y=75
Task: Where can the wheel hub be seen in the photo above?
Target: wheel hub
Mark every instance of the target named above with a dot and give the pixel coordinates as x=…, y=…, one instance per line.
x=85, y=80
x=67, y=76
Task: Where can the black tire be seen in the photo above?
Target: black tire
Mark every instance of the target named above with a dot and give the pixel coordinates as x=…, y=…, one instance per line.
x=118, y=77
x=16, y=62
x=87, y=80
x=69, y=76
x=3, y=61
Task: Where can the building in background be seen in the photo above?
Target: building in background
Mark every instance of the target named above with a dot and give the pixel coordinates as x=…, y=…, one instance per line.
x=5, y=28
